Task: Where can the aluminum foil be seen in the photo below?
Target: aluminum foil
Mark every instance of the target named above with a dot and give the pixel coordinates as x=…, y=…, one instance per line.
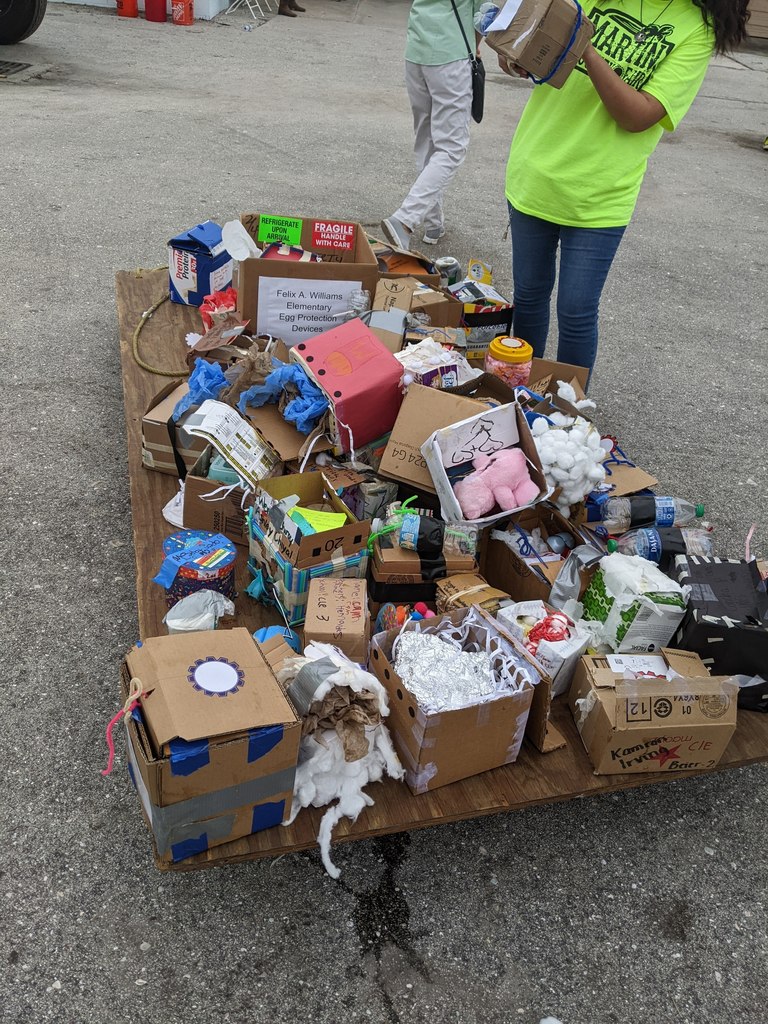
x=441, y=676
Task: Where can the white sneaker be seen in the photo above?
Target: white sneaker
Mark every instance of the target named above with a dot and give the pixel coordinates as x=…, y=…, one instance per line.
x=396, y=232
x=433, y=237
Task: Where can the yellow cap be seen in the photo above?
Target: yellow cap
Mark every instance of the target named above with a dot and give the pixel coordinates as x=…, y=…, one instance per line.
x=510, y=350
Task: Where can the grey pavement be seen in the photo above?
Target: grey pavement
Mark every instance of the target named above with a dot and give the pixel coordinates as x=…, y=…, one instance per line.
x=646, y=906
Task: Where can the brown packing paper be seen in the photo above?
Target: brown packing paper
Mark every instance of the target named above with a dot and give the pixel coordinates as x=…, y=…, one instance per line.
x=346, y=713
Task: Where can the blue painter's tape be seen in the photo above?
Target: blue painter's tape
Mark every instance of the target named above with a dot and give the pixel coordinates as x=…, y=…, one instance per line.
x=268, y=815
x=188, y=756
x=189, y=847
x=261, y=741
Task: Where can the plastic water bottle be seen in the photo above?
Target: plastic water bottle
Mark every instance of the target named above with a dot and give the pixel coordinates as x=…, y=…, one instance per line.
x=622, y=514
x=661, y=545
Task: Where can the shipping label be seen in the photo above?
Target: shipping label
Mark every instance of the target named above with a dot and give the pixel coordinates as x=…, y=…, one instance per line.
x=333, y=234
x=279, y=229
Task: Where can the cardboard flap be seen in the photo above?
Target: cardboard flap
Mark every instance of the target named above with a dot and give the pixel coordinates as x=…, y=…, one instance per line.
x=686, y=663
x=206, y=684
x=281, y=435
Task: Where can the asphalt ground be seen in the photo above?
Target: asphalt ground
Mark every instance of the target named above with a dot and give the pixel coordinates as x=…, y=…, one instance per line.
x=648, y=905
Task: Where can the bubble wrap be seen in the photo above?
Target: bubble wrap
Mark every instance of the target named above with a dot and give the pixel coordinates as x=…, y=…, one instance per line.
x=440, y=676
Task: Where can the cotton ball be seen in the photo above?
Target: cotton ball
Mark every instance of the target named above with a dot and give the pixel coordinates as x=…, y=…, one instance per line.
x=565, y=390
x=539, y=427
x=596, y=474
x=561, y=475
x=547, y=457
x=565, y=460
x=560, y=419
x=593, y=441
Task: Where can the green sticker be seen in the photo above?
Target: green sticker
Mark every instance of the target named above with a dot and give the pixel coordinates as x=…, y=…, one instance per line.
x=279, y=229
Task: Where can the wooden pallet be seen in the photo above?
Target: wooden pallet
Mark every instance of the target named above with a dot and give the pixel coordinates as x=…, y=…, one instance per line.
x=534, y=779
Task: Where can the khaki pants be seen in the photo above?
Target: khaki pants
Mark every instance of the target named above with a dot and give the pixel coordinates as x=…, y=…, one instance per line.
x=441, y=100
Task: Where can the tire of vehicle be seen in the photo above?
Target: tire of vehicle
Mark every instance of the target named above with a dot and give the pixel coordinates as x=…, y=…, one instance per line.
x=19, y=19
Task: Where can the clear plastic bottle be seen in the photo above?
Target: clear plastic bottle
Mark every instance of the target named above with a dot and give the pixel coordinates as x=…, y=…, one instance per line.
x=662, y=545
x=622, y=514
x=359, y=303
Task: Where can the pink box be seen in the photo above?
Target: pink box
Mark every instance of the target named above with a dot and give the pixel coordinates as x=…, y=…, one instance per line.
x=361, y=378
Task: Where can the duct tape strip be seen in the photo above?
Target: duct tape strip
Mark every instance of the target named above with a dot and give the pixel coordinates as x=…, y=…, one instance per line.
x=196, y=836
x=420, y=778
x=483, y=714
x=308, y=681
x=267, y=815
x=187, y=756
x=517, y=740
x=179, y=821
x=261, y=741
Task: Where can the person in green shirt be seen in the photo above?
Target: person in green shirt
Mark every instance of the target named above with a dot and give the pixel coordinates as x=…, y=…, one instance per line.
x=579, y=154
x=438, y=77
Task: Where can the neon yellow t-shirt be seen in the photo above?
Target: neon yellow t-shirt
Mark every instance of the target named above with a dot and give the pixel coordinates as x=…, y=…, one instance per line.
x=570, y=163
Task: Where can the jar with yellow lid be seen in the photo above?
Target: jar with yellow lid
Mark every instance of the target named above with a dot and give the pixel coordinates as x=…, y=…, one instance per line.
x=510, y=360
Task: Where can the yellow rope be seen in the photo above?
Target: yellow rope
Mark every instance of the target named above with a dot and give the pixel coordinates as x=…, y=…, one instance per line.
x=145, y=316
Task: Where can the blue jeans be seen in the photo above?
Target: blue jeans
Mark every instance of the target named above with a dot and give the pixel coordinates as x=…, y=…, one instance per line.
x=586, y=255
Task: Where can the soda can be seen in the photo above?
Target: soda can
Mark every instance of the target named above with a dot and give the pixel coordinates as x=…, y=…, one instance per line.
x=449, y=269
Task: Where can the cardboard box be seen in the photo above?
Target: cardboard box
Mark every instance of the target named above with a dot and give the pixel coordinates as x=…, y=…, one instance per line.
x=297, y=300
x=270, y=514
x=546, y=373
x=437, y=749
x=211, y=505
x=401, y=589
x=727, y=618
x=214, y=744
x=529, y=579
x=558, y=657
x=361, y=379
x=198, y=264
x=465, y=589
x=289, y=585
x=423, y=411
x=449, y=452
x=535, y=34
x=486, y=315
x=443, y=309
x=165, y=447
x=389, y=310
x=653, y=725
x=392, y=560
x=396, y=263
x=337, y=613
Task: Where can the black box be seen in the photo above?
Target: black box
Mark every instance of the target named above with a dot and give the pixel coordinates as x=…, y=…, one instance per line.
x=727, y=619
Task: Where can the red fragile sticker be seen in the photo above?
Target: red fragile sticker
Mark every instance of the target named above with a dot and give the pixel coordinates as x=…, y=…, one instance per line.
x=333, y=234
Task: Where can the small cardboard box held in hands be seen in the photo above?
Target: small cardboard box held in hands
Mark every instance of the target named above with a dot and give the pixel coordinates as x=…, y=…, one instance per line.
x=544, y=37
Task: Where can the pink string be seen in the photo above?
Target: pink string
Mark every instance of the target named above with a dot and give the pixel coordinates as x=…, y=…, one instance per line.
x=110, y=742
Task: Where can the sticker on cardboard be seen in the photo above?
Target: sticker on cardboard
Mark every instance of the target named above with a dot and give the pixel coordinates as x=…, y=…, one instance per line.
x=279, y=229
x=333, y=234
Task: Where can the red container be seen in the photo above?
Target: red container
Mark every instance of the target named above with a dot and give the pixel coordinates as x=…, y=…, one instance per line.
x=155, y=10
x=183, y=12
x=127, y=8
